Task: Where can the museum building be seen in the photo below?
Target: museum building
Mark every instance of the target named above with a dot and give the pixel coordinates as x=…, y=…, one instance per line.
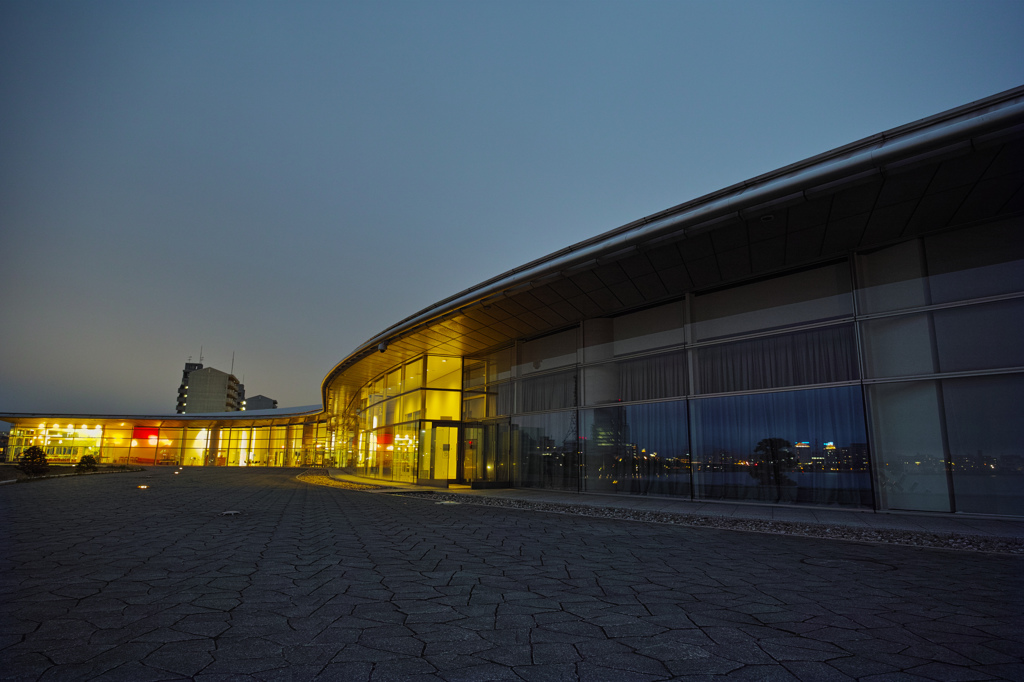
x=844, y=331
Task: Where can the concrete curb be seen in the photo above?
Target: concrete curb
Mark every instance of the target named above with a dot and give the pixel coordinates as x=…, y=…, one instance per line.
x=83, y=473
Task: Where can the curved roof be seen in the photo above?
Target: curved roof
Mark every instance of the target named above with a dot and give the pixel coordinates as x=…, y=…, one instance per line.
x=274, y=417
x=955, y=167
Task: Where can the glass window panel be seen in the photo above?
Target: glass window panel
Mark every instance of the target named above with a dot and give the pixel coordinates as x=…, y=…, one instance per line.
x=598, y=339
x=788, y=447
x=547, y=392
x=392, y=410
x=377, y=390
x=986, y=442
x=503, y=404
x=499, y=365
x=406, y=447
x=814, y=356
x=474, y=374
x=897, y=346
x=375, y=416
x=443, y=405
x=260, y=446
x=892, y=278
x=444, y=372
x=907, y=446
x=394, y=382
x=197, y=443
x=546, y=451
x=986, y=336
x=169, y=446
x=88, y=440
x=383, y=443
x=601, y=383
x=486, y=449
x=277, y=446
x=638, y=449
x=474, y=406
x=637, y=332
x=657, y=376
x=809, y=296
x=548, y=352
x=115, y=455
x=412, y=406
x=232, y=440
x=414, y=374
x=979, y=261
x=649, y=329
x=646, y=378
x=116, y=443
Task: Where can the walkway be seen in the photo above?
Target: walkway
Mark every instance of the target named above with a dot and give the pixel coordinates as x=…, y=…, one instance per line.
x=961, y=524
x=102, y=579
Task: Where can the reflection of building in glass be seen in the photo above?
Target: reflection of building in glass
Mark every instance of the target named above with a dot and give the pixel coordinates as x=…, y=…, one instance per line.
x=847, y=330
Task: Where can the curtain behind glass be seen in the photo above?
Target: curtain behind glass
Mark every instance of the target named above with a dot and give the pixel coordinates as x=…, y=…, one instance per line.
x=546, y=451
x=986, y=442
x=789, y=447
x=638, y=449
x=815, y=356
x=659, y=376
x=548, y=392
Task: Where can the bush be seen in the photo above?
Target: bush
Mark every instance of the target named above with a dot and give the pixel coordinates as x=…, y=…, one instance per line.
x=87, y=463
x=33, y=461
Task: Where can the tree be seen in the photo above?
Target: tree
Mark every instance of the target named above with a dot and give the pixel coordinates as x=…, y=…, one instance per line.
x=87, y=463
x=33, y=461
x=775, y=457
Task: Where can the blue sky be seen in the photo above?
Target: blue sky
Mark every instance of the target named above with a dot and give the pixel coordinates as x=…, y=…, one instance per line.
x=282, y=180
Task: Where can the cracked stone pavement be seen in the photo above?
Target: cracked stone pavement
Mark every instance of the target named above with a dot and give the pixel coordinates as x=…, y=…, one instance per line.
x=104, y=580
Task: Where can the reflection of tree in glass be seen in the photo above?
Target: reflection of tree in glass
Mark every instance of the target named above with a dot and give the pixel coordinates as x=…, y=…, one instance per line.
x=774, y=458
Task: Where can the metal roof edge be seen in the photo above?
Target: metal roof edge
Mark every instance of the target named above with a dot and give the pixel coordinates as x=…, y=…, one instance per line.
x=278, y=413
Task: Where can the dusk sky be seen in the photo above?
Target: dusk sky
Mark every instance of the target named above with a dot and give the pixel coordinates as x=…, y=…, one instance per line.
x=283, y=180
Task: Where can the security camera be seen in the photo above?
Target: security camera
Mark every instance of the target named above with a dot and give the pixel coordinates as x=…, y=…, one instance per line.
x=382, y=346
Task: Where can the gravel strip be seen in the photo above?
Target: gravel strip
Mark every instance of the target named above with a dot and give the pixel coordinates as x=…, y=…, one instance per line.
x=969, y=543
x=320, y=477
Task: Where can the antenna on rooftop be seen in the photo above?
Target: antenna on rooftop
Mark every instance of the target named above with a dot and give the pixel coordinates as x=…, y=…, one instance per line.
x=232, y=363
x=200, y=353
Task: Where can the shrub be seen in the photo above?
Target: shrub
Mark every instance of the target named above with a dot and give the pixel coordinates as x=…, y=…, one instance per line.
x=87, y=463
x=33, y=461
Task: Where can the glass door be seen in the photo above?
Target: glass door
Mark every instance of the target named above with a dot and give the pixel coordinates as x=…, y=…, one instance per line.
x=439, y=450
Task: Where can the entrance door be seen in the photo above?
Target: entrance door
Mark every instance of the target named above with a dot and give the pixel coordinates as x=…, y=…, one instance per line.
x=439, y=454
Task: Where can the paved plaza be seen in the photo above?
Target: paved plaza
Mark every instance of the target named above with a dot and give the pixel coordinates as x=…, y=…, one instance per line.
x=102, y=579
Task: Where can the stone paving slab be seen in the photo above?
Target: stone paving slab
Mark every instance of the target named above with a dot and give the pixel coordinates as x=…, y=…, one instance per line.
x=100, y=579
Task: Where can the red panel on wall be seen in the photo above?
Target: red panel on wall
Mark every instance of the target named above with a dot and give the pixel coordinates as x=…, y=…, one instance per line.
x=144, y=433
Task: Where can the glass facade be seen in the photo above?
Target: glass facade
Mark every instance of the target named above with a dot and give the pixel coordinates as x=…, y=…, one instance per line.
x=888, y=379
x=157, y=445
